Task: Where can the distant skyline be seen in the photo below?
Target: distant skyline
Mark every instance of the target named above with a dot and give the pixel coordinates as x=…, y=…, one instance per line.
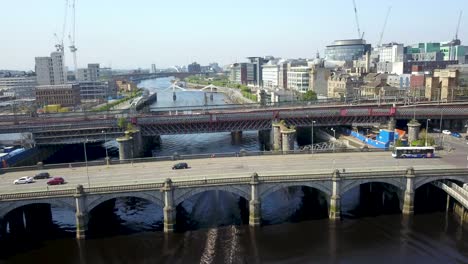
x=124, y=35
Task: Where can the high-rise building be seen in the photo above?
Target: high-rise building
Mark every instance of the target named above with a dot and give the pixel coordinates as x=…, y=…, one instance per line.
x=257, y=63
x=93, y=73
x=298, y=78
x=345, y=51
x=270, y=74
x=51, y=70
x=194, y=68
x=153, y=68
x=242, y=73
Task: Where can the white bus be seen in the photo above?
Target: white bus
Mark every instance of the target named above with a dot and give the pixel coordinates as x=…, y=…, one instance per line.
x=413, y=152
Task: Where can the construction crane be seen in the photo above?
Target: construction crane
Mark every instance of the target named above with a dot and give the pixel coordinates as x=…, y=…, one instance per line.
x=59, y=46
x=357, y=21
x=72, y=36
x=384, y=25
x=458, y=27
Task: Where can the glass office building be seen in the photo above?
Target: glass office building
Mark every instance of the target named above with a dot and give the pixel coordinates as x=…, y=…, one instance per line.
x=347, y=50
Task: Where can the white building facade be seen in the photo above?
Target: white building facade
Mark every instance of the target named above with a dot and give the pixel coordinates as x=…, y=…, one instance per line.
x=298, y=78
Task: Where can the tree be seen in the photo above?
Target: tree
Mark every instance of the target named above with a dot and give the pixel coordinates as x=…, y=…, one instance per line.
x=309, y=96
x=122, y=122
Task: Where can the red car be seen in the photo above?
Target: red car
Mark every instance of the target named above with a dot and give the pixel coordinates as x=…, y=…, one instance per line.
x=56, y=181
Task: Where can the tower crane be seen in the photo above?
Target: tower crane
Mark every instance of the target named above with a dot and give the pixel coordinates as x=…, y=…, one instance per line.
x=59, y=46
x=384, y=25
x=357, y=21
x=458, y=27
x=72, y=36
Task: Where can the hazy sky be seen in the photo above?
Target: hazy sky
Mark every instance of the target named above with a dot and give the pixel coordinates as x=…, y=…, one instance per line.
x=137, y=33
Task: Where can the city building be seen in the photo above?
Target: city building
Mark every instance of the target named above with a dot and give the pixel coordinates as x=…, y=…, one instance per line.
x=318, y=79
x=402, y=81
x=390, y=58
x=344, y=52
x=242, y=73
x=93, y=73
x=125, y=86
x=257, y=63
x=194, y=68
x=270, y=74
x=18, y=87
x=343, y=86
x=298, y=78
x=63, y=94
x=51, y=70
x=153, y=68
x=97, y=91
x=442, y=85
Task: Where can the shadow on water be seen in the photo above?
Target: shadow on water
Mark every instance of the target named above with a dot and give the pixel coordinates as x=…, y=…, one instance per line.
x=212, y=209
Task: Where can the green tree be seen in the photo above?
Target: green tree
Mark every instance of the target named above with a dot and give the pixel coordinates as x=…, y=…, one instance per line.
x=309, y=96
x=122, y=122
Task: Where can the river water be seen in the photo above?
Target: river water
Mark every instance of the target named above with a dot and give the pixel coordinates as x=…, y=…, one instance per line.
x=213, y=226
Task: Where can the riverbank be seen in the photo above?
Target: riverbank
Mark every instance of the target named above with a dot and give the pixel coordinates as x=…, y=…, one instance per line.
x=233, y=95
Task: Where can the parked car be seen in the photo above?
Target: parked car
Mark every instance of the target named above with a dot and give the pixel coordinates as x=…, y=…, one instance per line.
x=436, y=130
x=455, y=134
x=446, y=132
x=24, y=180
x=56, y=181
x=466, y=137
x=181, y=165
x=42, y=175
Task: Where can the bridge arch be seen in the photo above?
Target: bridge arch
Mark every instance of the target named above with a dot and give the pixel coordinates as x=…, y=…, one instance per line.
x=91, y=204
x=421, y=181
x=267, y=189
x=348, y=185
x=68, y=203
x=181, y=195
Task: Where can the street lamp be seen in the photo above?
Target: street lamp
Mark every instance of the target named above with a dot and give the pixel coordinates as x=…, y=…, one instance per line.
x=334, y=137
x=312, y=144
x=427, y=126
x=105, y=141
x=86, y=162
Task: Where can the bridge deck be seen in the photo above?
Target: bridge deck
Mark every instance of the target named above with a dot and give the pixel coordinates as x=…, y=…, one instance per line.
x=157, y=172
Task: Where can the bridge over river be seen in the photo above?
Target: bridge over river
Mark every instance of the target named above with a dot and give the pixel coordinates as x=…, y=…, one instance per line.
x=252, y=178
x=98, y=127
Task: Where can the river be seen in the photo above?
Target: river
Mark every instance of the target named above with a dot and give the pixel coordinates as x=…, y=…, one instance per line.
x=213, y=226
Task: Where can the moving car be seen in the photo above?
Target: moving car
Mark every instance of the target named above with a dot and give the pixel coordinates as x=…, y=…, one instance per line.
x=23, y=180
x=181, y=165
x=436, y=130
x=446, y=132
x=455, y=134
x=56, y=181
x=42, y=175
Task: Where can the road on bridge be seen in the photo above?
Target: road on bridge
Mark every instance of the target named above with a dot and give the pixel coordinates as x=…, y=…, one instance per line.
x=157, y=172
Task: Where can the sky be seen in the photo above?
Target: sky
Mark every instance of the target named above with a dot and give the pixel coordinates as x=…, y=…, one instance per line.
x=133, y=34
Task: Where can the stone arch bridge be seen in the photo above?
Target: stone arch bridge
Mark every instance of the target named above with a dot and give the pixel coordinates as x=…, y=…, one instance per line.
x=253, y=188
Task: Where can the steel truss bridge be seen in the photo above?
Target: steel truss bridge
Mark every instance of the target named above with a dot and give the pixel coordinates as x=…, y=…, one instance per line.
x=70, y=130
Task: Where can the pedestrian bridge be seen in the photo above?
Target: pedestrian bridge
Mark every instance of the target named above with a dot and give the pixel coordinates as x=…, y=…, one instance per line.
x=253, y=188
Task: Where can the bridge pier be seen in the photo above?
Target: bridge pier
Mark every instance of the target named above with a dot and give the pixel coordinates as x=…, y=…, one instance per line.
x=125, y=147
x=174, y=97
x=169, y=207
x=277, y=144
x=413, y=130
x=288, y=136
x=264, y=136
x=2, y=227
x=81, y=215
x=408, y=200
x=236, y=137
x=391, y=125
x=334, y=212
x=255, y=217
